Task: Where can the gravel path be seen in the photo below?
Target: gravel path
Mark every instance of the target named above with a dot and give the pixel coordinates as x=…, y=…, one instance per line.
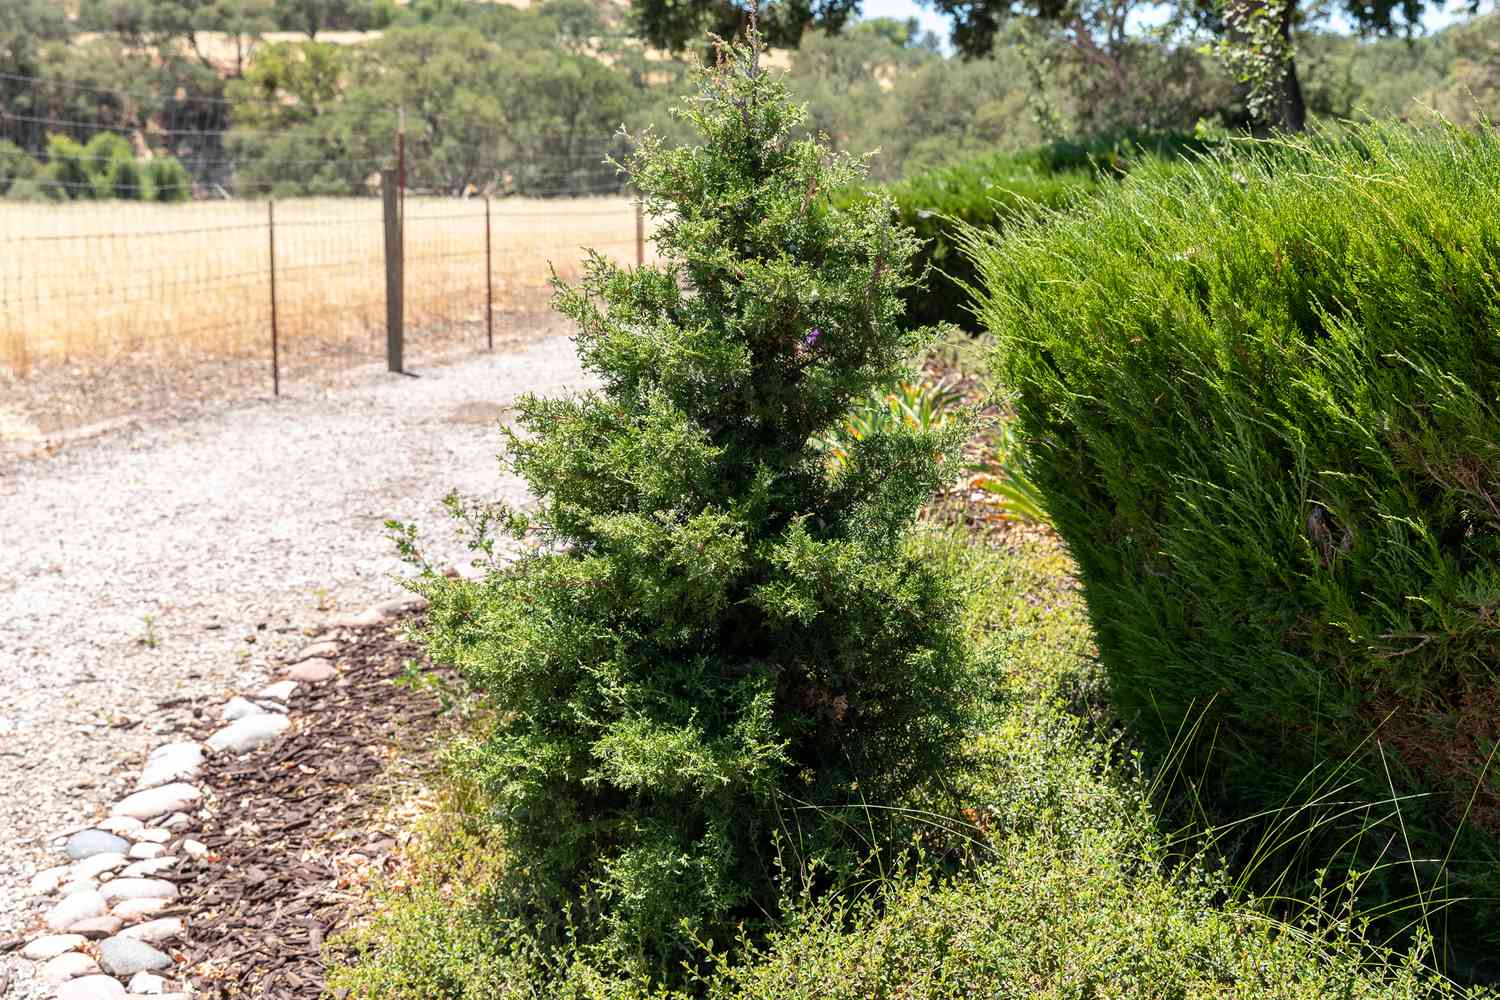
x=186, y=560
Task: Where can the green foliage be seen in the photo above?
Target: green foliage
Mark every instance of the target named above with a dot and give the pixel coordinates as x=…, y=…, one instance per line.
x=996, y=190
x=720, y=647
x=124, y=181
x=68, y=168
x=1259, y=398
x=922, y=406
x=1071, y=894
x=15, y=165
x=167, y=179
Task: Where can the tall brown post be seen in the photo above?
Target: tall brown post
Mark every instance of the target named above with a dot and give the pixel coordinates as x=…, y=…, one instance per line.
x=394, y=271
x=489, y=282
x=275, y=347
x=640, y=234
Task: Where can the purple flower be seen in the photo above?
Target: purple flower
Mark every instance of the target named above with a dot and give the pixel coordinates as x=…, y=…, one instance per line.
x=812, y=337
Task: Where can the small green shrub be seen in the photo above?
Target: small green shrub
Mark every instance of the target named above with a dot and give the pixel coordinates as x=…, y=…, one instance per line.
x=1073, y=895
x=991, y=191
x=15, y=165
x=68, y=169
x=125, y=181
x=167, y=180
x=34, y=189
x=721, y=647
x=1260, y=399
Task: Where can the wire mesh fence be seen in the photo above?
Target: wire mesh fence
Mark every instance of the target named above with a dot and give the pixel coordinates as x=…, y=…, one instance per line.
x=184, y=294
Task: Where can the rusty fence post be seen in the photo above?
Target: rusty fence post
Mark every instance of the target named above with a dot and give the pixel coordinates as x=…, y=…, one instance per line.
x=394, y=271
x=275, y=334
x=489, y=282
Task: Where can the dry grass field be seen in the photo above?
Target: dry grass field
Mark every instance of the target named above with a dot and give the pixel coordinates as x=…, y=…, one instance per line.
x=90, y=282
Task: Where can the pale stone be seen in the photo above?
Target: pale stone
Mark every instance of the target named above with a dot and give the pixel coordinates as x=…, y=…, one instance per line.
x=151, y=835
x=78, y=906
x=125, y=956
x=51, y=946
x=194, y=848
x=77, y=885
x=133, y=910
x=237, y=708
x=147, y=868
x=97, y=864
x=176, y=821
x=155, y=801
x=318, y=650
x=248, y=733
x=155, y=931
x=280, y=691
x=95, y=928
x=147, y=984
x=122, y=825
x=312, y=671
x=169, y=763
x=68, y=966
x=138, y=888
x=91, y=988
x=46, y=881
x=145, y=851
x=87, y=843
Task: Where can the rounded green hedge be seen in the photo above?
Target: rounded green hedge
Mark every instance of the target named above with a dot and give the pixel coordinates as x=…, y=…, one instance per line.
x=1262, y=398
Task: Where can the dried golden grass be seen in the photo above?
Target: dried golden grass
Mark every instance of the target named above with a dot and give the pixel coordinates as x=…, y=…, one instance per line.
x=90, y=281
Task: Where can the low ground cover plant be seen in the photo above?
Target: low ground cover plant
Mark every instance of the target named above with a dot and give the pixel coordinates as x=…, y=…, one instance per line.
x=719, y=649
x=1260, y=400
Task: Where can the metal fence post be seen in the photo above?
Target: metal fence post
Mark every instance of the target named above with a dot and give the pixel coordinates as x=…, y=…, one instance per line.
x=394, y=271
x=275, y=346
x=489, y=282
x=640, y=234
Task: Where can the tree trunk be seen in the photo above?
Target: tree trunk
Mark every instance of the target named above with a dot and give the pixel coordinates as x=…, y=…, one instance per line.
x=1293, y=107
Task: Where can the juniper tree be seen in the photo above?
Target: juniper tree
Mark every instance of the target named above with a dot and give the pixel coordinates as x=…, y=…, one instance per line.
x=721, y=647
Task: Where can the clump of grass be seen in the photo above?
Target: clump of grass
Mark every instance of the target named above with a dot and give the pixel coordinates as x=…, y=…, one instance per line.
x=1258, y=397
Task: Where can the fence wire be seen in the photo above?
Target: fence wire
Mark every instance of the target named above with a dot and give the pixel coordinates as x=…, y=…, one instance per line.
x=100, y=287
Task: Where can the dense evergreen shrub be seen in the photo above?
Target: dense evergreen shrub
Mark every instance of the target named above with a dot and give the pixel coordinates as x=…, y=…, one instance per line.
x=125, y=181
x=68, y=168
x=721, y=651
x=15, y=165
x=167, y=179
x=1261, y=400
x=992, y=190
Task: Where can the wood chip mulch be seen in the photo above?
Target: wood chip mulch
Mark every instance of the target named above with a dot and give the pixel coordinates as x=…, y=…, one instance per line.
x=297, y=826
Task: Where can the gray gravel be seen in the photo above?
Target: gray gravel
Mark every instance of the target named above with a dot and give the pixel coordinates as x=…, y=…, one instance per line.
x=189, y=559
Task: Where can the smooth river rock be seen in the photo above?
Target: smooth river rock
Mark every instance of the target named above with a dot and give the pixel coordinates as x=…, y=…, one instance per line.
x=91, y=988
x=155, y=801
x=79, y=906
x=68, y=966
x=147, y=868
x=97, y=864
x=155, y=931
x=248, y=733
x=51, y=946
x=313, y=671
x=137, y=888
x=169, y=763
x=280, y=691
x=237, y=708
x=87, y=843
x=95, y=928
x=125, y=956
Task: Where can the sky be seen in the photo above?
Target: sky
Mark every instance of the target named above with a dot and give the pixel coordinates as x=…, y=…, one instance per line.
x=938, y=25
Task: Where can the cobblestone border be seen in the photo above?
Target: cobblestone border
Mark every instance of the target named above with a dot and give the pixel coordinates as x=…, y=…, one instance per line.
x=107, y=916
